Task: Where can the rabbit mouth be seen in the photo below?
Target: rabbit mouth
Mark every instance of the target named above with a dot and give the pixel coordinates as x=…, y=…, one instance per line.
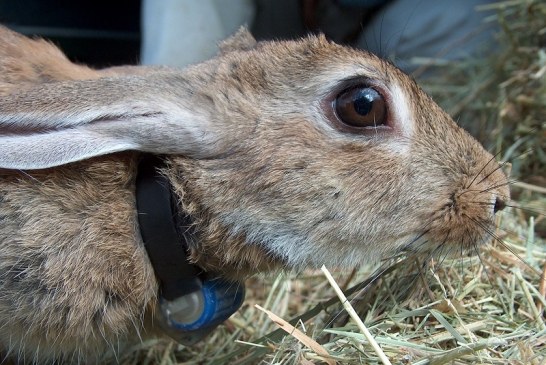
x=462, y=224
x=444, y=242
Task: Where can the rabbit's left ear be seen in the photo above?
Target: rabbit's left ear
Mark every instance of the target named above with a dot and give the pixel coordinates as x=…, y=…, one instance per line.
x=57, y=123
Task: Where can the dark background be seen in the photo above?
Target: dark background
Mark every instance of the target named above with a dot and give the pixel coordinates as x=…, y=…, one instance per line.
x=95, y=32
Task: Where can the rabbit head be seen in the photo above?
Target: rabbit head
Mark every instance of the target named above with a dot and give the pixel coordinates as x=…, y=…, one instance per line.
x=289, y=153
x=309, y=184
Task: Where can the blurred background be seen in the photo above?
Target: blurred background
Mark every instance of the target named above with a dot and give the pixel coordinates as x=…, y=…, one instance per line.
x=96, y=32
x=177, y=32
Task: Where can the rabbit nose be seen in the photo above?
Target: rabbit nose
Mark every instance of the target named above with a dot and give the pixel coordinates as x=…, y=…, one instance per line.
x=500, y=204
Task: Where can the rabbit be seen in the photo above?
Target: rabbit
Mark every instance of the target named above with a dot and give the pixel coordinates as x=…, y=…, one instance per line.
x=285, y=154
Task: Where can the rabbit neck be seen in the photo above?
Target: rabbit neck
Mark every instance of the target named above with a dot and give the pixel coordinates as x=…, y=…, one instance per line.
x=215, y=249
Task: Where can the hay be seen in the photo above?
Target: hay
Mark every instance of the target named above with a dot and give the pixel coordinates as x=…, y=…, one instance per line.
x=487, y=309
x=501, y=99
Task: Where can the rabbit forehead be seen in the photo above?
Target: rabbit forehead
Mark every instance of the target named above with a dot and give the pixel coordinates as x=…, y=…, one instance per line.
x=302, y=61
x=296, y=77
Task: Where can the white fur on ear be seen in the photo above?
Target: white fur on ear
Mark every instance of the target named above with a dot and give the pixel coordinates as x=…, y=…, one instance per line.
x=59, y=123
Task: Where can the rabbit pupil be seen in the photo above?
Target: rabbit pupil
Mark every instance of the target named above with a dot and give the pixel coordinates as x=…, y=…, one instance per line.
x=361, y=107
x=363, y=102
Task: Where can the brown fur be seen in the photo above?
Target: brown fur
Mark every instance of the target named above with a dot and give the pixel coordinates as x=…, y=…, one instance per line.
x=25, y=62
x=74, y=275
x=85, y=303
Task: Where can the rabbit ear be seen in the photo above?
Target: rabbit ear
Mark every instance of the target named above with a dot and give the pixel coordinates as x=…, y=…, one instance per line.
x=242, y=40
x=57, y=123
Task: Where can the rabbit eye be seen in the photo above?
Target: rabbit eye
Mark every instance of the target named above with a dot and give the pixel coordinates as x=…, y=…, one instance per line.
x=361, y=107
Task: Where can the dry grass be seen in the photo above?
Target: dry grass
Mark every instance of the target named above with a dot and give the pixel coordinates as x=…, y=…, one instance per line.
x=473, y=310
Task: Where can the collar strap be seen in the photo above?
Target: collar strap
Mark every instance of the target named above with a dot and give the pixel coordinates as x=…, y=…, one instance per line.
x=160, y=223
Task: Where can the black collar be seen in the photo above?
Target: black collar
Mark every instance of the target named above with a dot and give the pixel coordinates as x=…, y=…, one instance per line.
x=160, y=226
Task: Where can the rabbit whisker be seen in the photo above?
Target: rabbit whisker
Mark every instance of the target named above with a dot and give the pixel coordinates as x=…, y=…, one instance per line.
x=407, y=246
x=513, y=206
x=482, y=261
x=499, y=167
x=442, y=252
x=482, y=169
x=468, y=190
x=526, y=209
x=504, y=245
x=509, y=182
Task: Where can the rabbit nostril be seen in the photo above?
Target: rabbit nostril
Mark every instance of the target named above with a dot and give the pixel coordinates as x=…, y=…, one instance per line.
x=500, y=204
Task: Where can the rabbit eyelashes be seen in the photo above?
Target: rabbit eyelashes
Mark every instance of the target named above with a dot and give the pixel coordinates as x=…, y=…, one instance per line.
x=285, y=155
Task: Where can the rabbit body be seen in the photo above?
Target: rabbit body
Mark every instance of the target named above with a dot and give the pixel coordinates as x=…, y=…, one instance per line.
x=66, y=280
x=26, y=62
x=252, y=155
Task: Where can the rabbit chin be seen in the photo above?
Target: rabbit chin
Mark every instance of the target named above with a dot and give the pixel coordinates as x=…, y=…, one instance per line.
x=305, y=254
x=298, y=251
